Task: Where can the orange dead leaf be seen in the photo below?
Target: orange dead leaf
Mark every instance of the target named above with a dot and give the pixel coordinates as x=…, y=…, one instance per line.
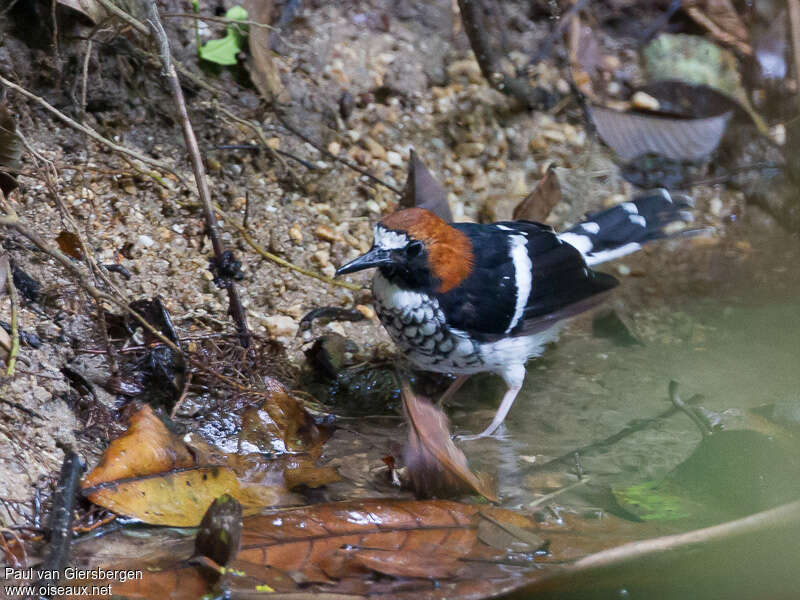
x=435, y=465
x=147, y=447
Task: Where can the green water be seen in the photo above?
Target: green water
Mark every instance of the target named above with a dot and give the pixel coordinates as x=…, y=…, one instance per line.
x=723, y=321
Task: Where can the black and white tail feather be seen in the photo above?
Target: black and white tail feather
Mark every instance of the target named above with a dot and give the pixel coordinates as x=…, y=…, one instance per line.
x=624, y=228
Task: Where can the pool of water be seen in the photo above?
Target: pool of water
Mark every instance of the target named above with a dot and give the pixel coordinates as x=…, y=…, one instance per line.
x=722, y=320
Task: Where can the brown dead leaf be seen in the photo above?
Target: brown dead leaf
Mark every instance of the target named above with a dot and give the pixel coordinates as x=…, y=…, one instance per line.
x=422, y=190
x=263, y=71
x=436, y=467
x=89, y=8
x=281, y=424
x=335, y=550
x=70, y=244
x=537, y=205
x=146, y=448
x=149, y=473
x=722, y=21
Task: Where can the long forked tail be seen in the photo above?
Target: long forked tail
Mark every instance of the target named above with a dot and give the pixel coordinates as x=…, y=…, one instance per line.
x=624, y=228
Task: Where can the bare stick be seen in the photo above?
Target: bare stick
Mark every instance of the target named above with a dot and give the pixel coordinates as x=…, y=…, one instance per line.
x=89, y=131
x=12, y=353
x=307, y=139
x=160, y=36
x=263, y=139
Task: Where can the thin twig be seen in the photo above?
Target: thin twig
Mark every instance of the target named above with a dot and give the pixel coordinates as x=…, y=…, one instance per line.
x=284, y=120
x=277, y=259
x=548, y=497
x=235, y=307
x=12, y=353
x=89, y=131
x=633, y=427
x=263, y=139
x=85, y=78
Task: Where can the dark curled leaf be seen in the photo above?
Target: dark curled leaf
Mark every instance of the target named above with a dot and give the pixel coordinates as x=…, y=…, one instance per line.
x=330, y=313
x=422, y=190
x=115, y=268
x=155, y=313
x=25, y=284
x=631, y=135
x=10, y=150
x=687, y=100
x=225, y=269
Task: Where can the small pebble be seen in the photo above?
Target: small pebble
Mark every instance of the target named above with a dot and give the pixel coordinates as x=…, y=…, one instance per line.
x=394, y=159
x=280, y=326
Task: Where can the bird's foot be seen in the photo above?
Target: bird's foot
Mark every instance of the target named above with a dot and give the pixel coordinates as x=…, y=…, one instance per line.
x=498, y=433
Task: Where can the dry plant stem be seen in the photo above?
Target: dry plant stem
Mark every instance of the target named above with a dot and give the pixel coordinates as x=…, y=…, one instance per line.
x=89, y=131
x=277, y=259
x=794, y=19
x=235, y=307
x=12, y=353
x=263, y=139
x=279, y=112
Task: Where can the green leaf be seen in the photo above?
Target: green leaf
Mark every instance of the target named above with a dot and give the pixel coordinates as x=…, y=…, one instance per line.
x=237, y=13
x=222, y=51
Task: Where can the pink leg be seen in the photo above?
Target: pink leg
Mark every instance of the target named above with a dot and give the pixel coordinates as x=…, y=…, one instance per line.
x=514, y=376
x=451, y=391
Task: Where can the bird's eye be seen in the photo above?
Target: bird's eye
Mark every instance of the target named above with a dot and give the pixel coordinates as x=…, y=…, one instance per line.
x=414, y=249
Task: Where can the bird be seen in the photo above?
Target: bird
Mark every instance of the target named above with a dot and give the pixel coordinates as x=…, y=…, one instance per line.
x=465, y=298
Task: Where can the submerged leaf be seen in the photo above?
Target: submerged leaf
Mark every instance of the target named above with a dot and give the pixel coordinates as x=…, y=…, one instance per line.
x=436, y=467
x=631, y=135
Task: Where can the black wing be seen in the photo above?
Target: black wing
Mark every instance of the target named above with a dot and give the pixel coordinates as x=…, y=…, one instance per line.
x=562, y=285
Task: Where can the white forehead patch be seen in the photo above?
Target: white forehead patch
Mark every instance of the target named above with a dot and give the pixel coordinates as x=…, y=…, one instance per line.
x=389, y=240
